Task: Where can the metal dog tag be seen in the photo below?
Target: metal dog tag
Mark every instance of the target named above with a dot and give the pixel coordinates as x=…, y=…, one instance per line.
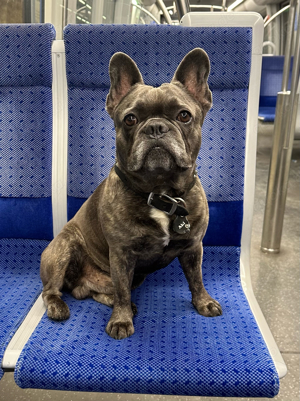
x=181, y=225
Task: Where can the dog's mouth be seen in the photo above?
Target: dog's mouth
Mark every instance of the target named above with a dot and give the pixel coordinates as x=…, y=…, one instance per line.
x=158, y=158
x=165, y=154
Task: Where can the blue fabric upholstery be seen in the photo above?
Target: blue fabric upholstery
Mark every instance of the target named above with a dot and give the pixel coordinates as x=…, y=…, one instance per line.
x=26, y=122
x=26, y=55
x=25, y=141
x=25, y=168
x=26, y=218
x=174, y=350
x=20, y=284
x=157, y=51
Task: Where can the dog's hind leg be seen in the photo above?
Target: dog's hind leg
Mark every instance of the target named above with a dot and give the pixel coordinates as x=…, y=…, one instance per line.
x=63, y=251
x=57, y=309
x=82, y=292
x=96, y=284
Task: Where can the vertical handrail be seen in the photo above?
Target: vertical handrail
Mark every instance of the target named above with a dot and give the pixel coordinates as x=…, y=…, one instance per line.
x=161, y=5
x=183, y=7
x=288, y=46
x=294, y=84
x=284, y=129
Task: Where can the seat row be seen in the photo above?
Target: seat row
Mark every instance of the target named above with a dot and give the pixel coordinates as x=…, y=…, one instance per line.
x=57, y=143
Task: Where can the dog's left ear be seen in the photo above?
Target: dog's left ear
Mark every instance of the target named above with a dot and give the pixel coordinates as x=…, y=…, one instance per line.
x=193, y=72
x=123, y=73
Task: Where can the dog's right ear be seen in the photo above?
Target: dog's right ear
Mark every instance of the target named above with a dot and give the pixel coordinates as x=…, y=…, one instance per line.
x=123, y=73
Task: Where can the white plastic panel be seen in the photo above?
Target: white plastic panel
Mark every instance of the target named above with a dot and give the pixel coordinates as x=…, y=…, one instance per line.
x=60, y=137
x=23, y=334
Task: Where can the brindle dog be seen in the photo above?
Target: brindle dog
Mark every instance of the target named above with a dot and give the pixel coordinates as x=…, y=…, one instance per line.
x=116, y=239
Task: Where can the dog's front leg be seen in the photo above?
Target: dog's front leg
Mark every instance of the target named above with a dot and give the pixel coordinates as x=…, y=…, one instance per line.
x=191, y=262
x=120, y=324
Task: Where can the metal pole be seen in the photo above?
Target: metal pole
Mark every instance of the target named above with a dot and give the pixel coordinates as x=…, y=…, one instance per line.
x=146, y=12
x=273, y=33
x=193, y=6
x=284, y=129
x=161, y=5
x=276, y=15
x=288, y=47
x=32, y=19
x=182, y=7
x=42, y=11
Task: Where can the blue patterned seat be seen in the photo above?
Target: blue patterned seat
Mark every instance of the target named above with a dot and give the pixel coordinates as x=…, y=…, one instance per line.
x=271, y=81
x=25, y=168
x=174, y=350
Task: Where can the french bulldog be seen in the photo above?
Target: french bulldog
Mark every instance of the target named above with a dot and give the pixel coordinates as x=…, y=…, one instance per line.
x=150, y=209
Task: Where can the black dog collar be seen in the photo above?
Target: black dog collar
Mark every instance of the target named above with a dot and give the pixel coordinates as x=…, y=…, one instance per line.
x=159, y=201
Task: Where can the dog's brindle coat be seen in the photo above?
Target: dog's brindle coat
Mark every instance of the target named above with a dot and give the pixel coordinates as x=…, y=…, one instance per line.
x=115, y=240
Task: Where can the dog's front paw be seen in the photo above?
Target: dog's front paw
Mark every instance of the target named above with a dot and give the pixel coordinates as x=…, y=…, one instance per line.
x=208, y=307
x=119, y=330
x=58, y=310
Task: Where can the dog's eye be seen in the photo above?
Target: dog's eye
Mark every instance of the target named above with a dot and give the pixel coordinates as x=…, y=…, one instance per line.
x=184, y=116
x=130, y=120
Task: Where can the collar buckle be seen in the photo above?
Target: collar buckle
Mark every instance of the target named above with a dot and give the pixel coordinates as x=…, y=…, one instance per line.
x=173, y=202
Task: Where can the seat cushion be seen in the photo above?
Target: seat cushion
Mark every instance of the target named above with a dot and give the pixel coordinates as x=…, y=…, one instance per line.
x=20, y=284
x=174, y=350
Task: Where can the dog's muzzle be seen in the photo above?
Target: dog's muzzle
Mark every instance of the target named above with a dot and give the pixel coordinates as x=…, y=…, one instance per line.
x=158, y=144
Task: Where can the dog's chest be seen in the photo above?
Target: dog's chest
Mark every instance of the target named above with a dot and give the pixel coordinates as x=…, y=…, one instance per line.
x=162, y=220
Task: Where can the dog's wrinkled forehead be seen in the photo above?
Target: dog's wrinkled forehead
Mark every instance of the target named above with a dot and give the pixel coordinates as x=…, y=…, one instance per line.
x=164, y=100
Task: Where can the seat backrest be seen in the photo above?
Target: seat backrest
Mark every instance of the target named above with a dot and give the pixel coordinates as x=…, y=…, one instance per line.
x=26, y=131
x=271, y=79
x=158, y=50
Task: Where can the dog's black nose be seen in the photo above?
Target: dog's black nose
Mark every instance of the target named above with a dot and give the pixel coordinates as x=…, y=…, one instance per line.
x=156, y=129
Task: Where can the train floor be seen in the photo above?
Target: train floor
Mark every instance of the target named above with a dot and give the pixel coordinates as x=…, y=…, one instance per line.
x=275, y=279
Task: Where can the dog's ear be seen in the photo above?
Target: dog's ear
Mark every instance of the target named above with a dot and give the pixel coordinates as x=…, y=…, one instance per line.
x=123, y=73
x=192, y=73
